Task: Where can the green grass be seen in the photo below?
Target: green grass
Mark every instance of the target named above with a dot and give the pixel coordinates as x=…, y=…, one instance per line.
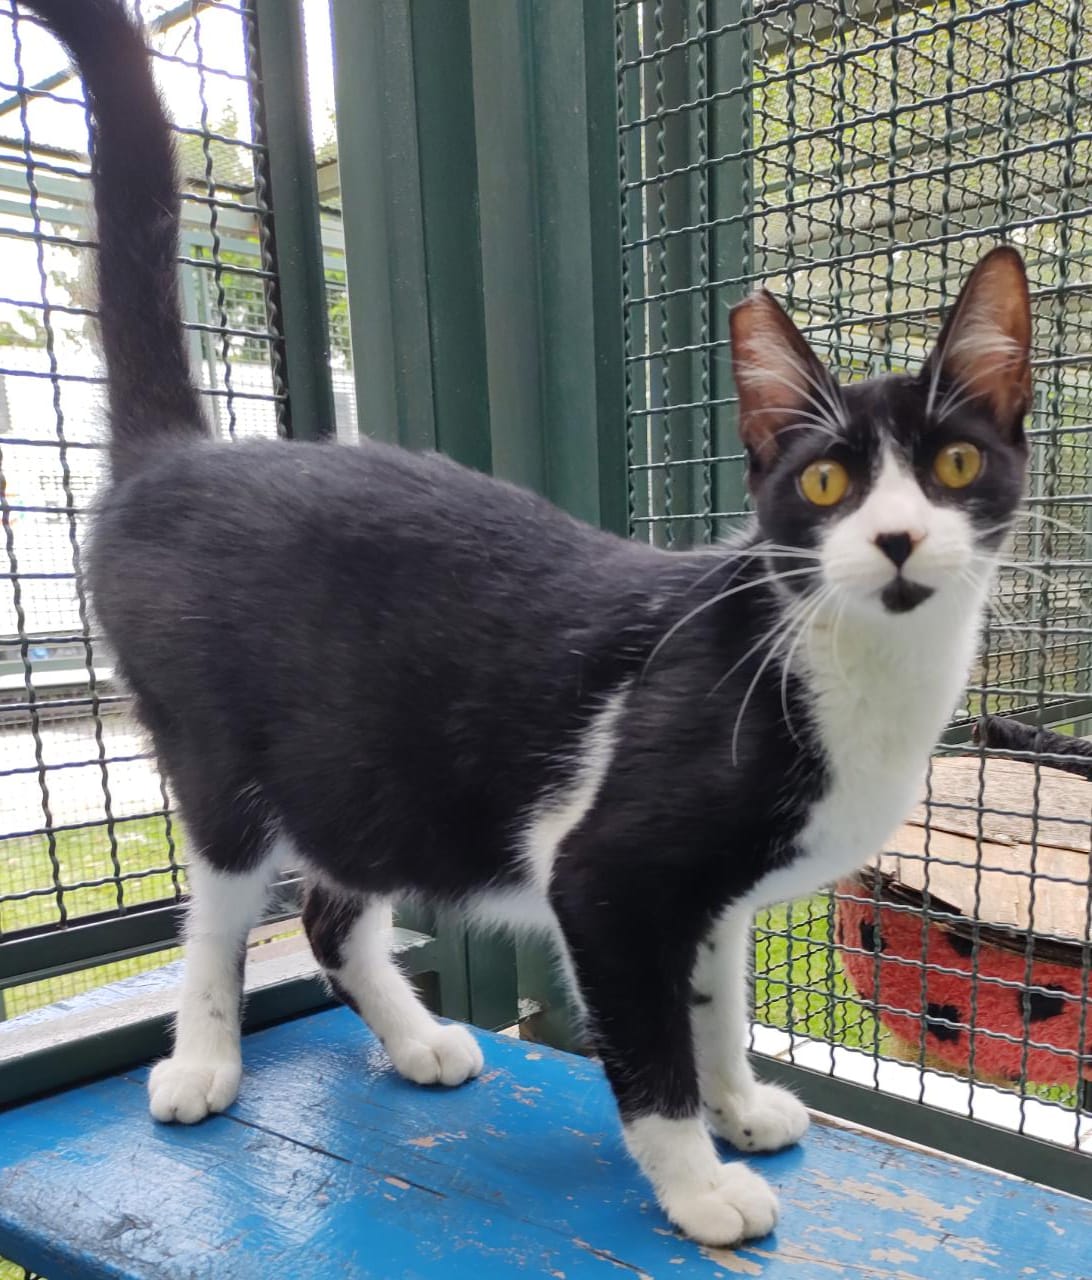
x=800, y=986
x=799, y=983
x=85, y=855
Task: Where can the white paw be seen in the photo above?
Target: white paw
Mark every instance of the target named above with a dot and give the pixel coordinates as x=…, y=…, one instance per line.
x=766, y=1119
x=739, y=1206
x=447, y=1055
x=187, y=1091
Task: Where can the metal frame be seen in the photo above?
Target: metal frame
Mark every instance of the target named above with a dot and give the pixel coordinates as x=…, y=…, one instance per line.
x=292, y=246
x=1015, y=1153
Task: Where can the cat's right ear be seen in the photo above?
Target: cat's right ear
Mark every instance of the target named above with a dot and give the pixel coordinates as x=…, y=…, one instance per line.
x=983, y=354
x=780, y=380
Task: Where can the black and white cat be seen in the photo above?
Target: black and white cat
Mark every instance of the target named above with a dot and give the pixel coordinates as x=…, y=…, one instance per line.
x=411, y=679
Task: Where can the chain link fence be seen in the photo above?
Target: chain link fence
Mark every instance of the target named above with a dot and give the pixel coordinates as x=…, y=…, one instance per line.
x=87, y=831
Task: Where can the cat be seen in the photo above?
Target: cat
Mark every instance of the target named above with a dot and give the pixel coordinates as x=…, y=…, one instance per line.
x=410, y=679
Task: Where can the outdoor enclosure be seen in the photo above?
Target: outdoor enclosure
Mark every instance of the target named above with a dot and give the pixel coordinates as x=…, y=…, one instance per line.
x=535, y=271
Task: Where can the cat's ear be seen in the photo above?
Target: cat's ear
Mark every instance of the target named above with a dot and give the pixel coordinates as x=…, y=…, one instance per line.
x=983, y=354
x=780, y=380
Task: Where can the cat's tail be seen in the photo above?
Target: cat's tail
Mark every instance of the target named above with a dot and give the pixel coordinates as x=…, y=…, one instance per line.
x=1074, y=755
x=152, y=397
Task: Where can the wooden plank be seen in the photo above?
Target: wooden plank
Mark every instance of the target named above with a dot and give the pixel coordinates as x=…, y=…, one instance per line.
x=1009, y=802
x=329, y=1165
x=1007, y=845
x=993, y=882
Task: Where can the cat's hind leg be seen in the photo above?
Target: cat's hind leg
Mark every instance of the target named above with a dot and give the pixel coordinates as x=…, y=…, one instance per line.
x=203, y=1072
x=350, y=935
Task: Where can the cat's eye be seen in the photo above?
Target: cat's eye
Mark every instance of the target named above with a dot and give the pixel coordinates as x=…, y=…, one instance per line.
x=824, y=483
x=956, y=465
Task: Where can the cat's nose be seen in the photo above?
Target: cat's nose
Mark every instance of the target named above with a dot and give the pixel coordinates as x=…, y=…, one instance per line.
x=897, y=546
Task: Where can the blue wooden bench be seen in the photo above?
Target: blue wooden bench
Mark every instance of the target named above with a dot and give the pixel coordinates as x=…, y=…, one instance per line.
x=331, y=1166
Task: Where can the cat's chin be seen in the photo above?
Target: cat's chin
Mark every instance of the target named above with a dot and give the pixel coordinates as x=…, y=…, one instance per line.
x=901, y=595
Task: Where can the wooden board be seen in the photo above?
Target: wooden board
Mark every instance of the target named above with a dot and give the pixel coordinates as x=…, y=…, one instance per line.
x=331, y=1167
x=993, y=883
x=1002, y=868
x=1005, y=812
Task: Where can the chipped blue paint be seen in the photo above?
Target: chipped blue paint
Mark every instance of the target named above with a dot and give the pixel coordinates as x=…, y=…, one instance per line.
x=330, y=1166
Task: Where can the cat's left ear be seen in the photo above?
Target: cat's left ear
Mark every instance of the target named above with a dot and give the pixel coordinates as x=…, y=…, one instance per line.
x=781, y=382
x=983, y=354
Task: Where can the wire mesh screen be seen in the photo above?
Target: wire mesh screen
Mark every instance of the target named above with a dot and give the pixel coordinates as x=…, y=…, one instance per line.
x=86, y=826
x=857, y=159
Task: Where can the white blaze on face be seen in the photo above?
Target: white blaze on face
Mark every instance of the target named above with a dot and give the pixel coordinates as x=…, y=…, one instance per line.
x=943, y=538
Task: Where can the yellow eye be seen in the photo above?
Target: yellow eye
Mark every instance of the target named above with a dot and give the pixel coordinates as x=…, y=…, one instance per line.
x=956, y=465
x=824, y=483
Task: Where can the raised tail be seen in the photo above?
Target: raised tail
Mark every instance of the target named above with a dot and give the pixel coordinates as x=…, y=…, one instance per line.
x=152, y=396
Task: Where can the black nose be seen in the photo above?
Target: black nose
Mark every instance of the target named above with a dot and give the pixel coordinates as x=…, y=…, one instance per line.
x=896, y=547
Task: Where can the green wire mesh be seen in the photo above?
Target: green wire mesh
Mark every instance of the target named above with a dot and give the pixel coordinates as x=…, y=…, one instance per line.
x=857, y=159
x=86, y=825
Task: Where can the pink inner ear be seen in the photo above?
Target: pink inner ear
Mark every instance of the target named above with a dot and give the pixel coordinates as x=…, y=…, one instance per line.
x=779, y=378
x=985, y=348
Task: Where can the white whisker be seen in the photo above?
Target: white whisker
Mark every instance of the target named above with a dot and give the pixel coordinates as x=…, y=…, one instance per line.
x=790, y=619
x=811, y=423
x=948, y=405
x=835, y=633
x=809, y=621
x=782, y=619
x=750, y=690
x=720, y=596
x=738, y=558
x=1064, y=525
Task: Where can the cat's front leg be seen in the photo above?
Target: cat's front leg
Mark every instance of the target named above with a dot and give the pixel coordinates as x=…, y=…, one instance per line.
x=751, y=1115
x=632, y=962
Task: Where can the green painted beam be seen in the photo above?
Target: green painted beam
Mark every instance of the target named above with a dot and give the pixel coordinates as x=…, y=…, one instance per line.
x=510, y=232
x=730, y=247
x=294, y=238
x=447, y=152
x=46, y=953
x=570, y=47
x=479, y=174
x=379, y=168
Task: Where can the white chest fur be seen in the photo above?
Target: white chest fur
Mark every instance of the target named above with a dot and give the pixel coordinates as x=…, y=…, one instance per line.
x=881, y=696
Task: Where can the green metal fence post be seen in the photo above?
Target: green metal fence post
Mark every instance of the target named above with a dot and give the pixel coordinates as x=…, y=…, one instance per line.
x=294, y=240
x=566, y=162
x=404, y=85
x=571, y=47
x=385, y=270
x=478, y=158
x=731, y=205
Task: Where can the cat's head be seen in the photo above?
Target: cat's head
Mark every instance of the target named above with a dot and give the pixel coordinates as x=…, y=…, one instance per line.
x=898, y=490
